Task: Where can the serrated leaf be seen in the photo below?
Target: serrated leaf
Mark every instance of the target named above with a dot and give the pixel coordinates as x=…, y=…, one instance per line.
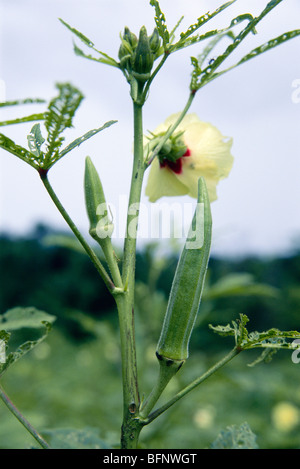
x=235, y=437
x=269, y=45
x=270, y=340
x=86, y=136
x=59, y=116
x=70, y=438
x=211, y=45
x=35, y=140
x=160, y=21
x=185, y=38
x=25, y=155
x=208, y=74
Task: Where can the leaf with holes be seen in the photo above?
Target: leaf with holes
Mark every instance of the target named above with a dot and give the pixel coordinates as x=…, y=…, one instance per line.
x=59, y=116
x=160, y=21
x=35, y=140
x=25, y=155
x=86, y=136
x=186, y=38
x=20, y=318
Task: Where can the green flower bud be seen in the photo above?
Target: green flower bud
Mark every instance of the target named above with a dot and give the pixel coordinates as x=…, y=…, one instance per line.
x=127, y=48
x=130, y=38
x=154, y=41
x=143, y=61
x=187, y=286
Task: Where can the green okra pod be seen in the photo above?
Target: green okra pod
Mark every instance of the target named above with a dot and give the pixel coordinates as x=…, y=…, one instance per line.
x=186, y=291
x=101, y=227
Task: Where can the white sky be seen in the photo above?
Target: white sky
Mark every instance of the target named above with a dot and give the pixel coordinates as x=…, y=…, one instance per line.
x=258, y=206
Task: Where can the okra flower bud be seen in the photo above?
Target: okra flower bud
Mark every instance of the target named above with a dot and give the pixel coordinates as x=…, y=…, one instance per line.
x=154, y=41
x=127, y=48
x=143, y=60
x=101, y=227
x=187, y=285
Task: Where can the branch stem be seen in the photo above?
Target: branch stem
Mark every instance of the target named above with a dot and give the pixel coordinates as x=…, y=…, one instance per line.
x=23, y=420
x=192, y=385
x=94, y=258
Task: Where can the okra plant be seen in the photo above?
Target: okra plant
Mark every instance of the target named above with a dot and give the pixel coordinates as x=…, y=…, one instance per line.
x=182, y=156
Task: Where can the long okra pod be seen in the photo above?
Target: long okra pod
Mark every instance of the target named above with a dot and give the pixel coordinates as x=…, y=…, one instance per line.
x=172, y=349
x=188, y=284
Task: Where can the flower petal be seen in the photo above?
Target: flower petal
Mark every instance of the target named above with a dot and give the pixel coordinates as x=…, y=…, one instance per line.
x=210, y=157
x=163, y=182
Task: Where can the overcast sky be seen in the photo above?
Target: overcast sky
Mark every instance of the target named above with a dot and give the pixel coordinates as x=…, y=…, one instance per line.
x=257, y=210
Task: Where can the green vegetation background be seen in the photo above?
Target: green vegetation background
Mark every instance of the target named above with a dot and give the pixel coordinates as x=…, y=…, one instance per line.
x=72, y=380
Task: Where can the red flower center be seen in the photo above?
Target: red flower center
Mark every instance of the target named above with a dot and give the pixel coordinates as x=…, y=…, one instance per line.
x=175, y=166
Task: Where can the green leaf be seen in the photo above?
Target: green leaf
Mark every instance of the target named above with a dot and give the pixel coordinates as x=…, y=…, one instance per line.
x=25, y=155
x=185, y=39
x=239, y=284
x=59, y=116
x=160, y=21
x=19, y=318
x=235, y=437
x=35, y=140
x=22, y=120
x=85, y=137
x=269, y=45
x=104, y=58
x=270, y=340
x=19, y=102
x=77, y=33
x=207, y=75
x=210, y=46
x=68, y=438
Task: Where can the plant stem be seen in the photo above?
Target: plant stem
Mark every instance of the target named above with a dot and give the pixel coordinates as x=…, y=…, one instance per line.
x=166, y=373
x=192, y=385
x=23, y=420
x=171, y=129
x=103, y=273
x=125, y=302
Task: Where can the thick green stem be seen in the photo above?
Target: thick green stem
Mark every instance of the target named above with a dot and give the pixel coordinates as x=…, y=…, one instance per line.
x=23, y=420
x=192, y=385
x=125, y=301
x=108, y=282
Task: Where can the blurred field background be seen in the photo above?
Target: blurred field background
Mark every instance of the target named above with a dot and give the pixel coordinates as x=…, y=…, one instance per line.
x=73, y=379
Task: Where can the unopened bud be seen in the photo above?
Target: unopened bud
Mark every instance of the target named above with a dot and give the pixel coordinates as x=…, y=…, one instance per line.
x=154, y=41
x=143, y=61
x=130, y=38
